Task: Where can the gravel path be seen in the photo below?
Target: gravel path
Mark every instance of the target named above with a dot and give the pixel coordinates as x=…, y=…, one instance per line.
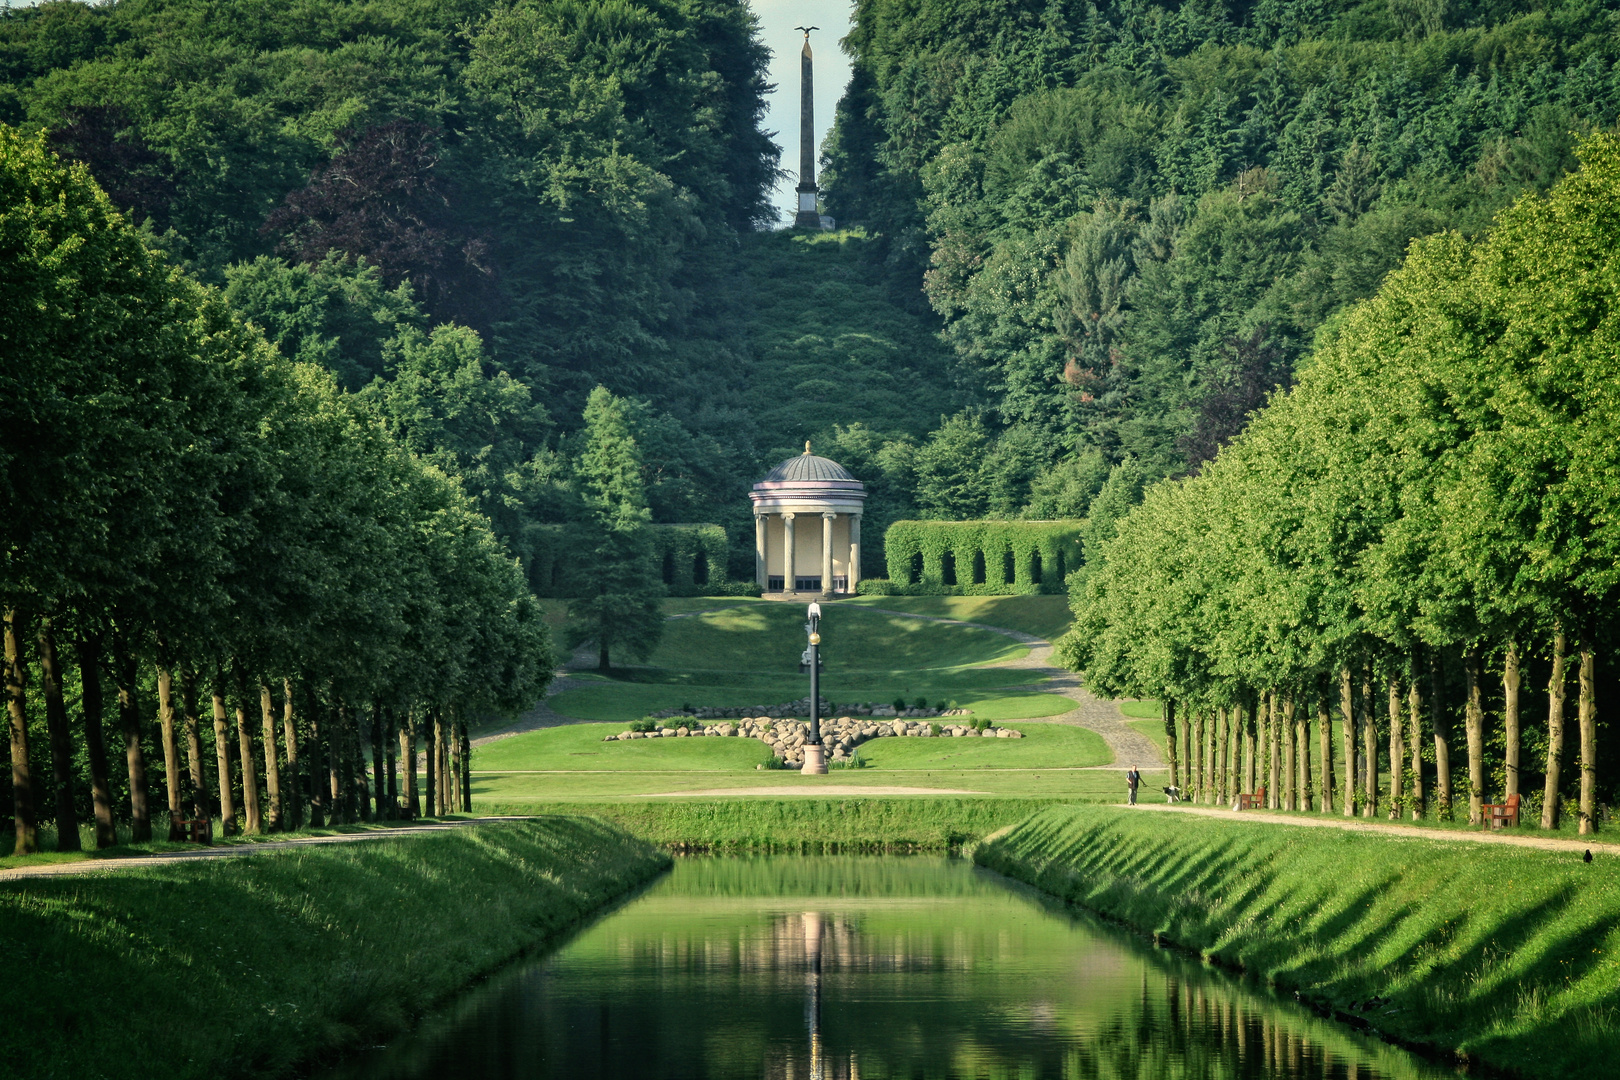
x=162, y=858
x=817, y=792
x=1545, y=843
x=1130, y=747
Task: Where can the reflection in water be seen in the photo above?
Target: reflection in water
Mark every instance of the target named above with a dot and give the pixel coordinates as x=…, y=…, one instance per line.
x=840, y=968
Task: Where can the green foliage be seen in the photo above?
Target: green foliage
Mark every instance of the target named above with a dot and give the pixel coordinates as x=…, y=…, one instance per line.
x=1425, y=927
x=616, y=606
x=418, y=918
x=1135, y=222
x=972, y=557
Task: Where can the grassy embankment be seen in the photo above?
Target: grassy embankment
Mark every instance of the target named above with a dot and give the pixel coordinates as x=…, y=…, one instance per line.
x=1505, y=955
x=818, y=825
x=246, y=967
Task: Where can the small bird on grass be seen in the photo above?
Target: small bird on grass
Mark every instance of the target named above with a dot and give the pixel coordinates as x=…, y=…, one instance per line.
x=1588, y=856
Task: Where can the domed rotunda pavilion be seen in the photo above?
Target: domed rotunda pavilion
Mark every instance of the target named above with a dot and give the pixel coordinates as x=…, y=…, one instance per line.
x=791, y=555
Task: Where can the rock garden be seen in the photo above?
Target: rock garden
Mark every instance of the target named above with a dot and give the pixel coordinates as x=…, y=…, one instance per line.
x=786, y=736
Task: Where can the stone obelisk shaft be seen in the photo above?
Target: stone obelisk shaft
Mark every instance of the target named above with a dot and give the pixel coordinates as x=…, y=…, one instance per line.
x=808, y=216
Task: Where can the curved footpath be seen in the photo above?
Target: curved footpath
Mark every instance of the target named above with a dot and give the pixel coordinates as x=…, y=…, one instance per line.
x=1390, y=828
x=159, y=858
x=1128, y=745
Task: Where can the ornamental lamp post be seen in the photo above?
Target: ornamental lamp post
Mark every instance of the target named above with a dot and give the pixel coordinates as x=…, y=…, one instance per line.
x=815, y=754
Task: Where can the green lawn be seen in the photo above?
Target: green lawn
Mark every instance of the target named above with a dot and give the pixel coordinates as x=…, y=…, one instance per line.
x=1148, y=709
x=1043, y=616
x=573, y=763
x=734, y=652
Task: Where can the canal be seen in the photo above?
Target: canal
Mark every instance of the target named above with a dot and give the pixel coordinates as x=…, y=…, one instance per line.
x=868, y=968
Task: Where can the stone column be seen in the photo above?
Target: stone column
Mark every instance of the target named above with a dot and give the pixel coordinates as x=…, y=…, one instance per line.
x=762, y=563
x=826, y=554
x=789, y=570
x=854, y=551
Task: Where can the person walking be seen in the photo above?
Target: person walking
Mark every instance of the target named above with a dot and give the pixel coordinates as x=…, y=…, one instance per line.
x=1133, y=778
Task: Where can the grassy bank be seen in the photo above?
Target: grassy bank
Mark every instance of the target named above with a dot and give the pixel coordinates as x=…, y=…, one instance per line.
x=809, y=825
x=1505, y=955
x=245, y=967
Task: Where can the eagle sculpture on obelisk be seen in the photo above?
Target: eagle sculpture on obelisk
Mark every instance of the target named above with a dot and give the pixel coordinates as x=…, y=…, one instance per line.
x=808, y=216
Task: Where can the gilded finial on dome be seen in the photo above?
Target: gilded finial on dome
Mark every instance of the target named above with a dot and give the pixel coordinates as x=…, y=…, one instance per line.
x=807, y=446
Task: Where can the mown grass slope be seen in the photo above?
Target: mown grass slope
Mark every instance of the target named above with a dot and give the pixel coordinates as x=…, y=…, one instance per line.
x=1506, y=954
x=741, y=653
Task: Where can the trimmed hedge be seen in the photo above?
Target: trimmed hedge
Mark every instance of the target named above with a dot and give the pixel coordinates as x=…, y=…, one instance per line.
x=977, y=558
x=689, y=559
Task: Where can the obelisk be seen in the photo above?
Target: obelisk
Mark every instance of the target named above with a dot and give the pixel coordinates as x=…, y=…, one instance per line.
x=808, y=216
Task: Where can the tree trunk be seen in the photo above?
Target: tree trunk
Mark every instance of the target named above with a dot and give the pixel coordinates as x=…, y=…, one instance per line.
x=430, y=762
x=1221, y=721
x=1369, y=745
x=1324, y=741
x=336, y=753
x=222, y=754
x=454, y=779
x=250, y=768
x=1189, y=755
x=1474, y=721
x=1303, y=737
x=1251, y=768
x=140, y=812
x=95, y=740
x=1397, y=786
x=320, y=732
x=199, y=786
x=293, y=801
x=466, y=767
x=441, y=759
x=379, y=776
x=602, y=657
x=1587, y=714
x=1198, y=737
x=407, y=755
x=22, y=786
x=1557, y=689
x=61, y=738
x=1290, y=800
x=1442, y=741
x=1414, y=737
x=362, y=785
x=1510, y=716
x=172, y=781
x=272, y=767
x=390, y=731
x=1273, y=751
x=1168, y=710
x=1347, y=707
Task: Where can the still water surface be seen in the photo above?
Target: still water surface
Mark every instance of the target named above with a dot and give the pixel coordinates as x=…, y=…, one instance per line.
x=849, y=968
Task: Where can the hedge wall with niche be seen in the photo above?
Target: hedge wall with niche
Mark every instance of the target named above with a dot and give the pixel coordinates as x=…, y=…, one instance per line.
x=689, y=559
x=978, y=558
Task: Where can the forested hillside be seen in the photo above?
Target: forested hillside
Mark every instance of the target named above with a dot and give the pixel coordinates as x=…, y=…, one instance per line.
x=1418, y=540
x=1136, y=218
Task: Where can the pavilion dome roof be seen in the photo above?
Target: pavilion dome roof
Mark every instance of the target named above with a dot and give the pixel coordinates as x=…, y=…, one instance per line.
x=807, y=467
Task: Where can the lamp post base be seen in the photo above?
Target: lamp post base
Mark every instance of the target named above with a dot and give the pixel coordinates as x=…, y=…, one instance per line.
x=815, y=760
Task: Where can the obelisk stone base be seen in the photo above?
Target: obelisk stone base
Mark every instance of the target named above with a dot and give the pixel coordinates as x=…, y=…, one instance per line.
x=815, y=760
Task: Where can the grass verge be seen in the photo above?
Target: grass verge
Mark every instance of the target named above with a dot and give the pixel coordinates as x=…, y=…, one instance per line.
x=1504, y=955
x=809, y=825
x=248, y=967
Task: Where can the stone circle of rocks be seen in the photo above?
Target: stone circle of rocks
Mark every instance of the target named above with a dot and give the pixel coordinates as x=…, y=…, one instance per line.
x=786, y=737
x=792, y=709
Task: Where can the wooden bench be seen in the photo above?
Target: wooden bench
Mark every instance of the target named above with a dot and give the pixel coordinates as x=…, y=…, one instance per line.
x=191, y=830
x=1257, y=801
x=1501, y=815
